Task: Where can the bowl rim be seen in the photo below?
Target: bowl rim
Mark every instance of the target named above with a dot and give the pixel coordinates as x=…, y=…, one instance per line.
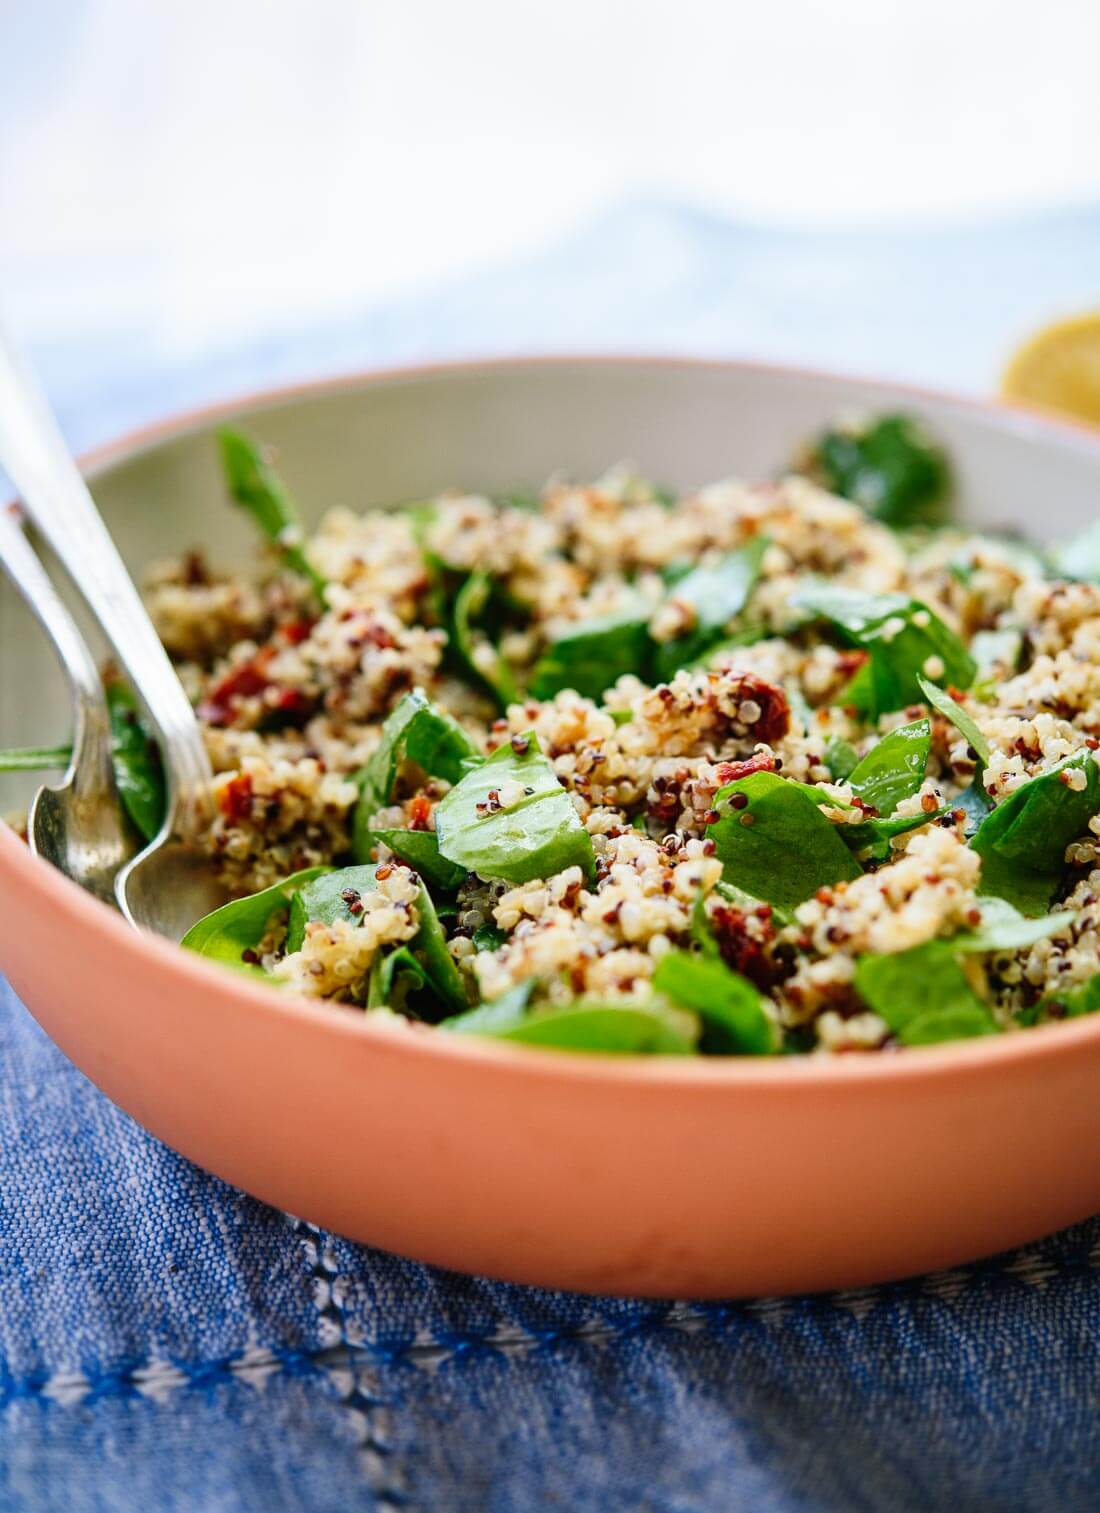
x=66, y=899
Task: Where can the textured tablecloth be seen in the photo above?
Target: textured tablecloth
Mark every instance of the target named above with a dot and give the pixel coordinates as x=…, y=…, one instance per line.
x=167, y=1343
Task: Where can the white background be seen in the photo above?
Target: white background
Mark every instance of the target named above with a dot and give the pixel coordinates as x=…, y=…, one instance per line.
x=179, y=168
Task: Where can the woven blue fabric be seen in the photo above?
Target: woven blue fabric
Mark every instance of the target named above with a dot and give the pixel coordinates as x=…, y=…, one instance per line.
x=168, y=1343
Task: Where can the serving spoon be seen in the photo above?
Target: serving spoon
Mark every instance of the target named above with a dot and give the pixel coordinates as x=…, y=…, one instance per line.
x=171, y=883
x=77, y=824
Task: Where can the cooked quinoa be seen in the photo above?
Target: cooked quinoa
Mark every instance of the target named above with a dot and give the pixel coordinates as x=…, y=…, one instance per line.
x=755, y=734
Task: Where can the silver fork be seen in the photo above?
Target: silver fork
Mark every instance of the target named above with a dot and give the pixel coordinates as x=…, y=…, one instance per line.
x=172, y=883
x=78, y=823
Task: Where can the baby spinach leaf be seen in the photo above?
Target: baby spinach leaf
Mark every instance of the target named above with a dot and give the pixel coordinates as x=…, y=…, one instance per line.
x=256, y=486
x=139, y=775
x=496, y=1017
x=418, y=849
x=324, y=899
x=536, y=835
x=586, y=1024
x=489, y=938
x=841, y=758
x=489, y=670
x=893, y=770
x=240, y=926
x=394, y=977
x=731, y=1010
x=35, y=758
x=873, y=837
x=594, y=654
x=416, y=731
x=923, y=995
x=891, y=467
x=1004, y=928
x=902, y=638
x=1022, y=842
x=1066, y=1003
x=716, y=593
x=777, y=845
x=952, y=710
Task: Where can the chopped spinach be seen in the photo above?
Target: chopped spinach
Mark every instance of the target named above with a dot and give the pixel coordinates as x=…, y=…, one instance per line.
x=232, y=933
x=923, y=995
x=902, y=637
x=139, y=775
x=715, y=593
x=415, y=731
x=490, y=671
x=774, y=842
x=594, y=654
x=893, y=770
x=35, y=758
x=1022, y=842
x=257, y=487
x=730, y=1008
x=890, y=466
x=330, y=897
x=585, y=1024
x=841, y=758
x=871, y=839
x=1066, y=1003
x=418, y=849
x=537, y=834
x=1004, y=928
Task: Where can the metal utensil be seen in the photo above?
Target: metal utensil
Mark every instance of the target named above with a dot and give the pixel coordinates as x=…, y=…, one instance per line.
x=171, y=883
x=77, y=824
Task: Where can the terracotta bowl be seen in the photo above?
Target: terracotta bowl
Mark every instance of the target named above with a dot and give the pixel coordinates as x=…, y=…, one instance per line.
x=637, y=1176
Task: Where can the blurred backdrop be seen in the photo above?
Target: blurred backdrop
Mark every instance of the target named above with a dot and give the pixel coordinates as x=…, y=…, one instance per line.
x=858, y=183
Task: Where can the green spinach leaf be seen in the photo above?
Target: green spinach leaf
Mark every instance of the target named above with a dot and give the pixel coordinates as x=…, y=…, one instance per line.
x=841, y=758
x=324, y=899
x=416, y=731
x=872, y=838
x=139, y=775
x=730, y=1008
x=256, y=486
x=1004, y=928
x=586, y=1024
x=418, y=849
x=35, y=758
x=594, y=654
x=902, y=639
x=478, y=656
x=394, y=977
x=537, y=834
x=894, y=769
x=891, y=467
x=1022, y=842
x=923, y=995
x=237, y=928
x=774, y=842
x=952, y=710
x=716, y=593
x=1069, y=1003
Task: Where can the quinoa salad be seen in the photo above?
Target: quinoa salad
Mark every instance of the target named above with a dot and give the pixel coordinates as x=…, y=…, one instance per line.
x=795, y=766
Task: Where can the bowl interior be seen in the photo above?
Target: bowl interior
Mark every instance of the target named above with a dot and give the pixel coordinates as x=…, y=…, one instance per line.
x=391, y=438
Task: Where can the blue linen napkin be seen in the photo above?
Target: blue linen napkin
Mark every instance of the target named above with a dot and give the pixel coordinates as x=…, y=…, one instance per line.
x=168, y=1343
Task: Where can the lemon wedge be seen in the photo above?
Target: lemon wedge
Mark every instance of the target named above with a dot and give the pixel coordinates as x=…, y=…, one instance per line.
x=1059, y=369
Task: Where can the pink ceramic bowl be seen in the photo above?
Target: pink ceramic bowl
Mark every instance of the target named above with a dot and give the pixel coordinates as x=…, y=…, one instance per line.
x=669, y=1178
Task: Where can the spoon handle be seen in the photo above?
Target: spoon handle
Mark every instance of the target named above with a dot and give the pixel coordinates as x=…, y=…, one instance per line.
x=90, y=764
x=56, y=498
